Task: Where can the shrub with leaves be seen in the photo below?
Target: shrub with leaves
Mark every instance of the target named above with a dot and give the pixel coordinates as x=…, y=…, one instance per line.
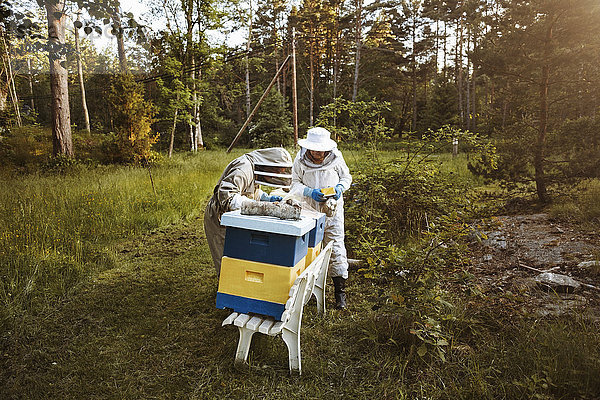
x=133, y=117
x=575, y=147
x=570, y=156
x=356, y=121
x=406, y=219
x=273, y=125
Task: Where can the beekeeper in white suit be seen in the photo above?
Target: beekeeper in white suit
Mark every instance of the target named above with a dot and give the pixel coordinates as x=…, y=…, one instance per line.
x=241, y=181
x=319, y=164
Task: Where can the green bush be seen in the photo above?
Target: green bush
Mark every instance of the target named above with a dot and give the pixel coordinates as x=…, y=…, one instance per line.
x=393, y=202
x=576, y=145
x=133, y=117
x=273, y=123
x=26, y=146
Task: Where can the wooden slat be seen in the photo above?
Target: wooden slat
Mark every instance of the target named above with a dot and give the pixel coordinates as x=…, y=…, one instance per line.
x=276, y=328
x=229, y=319
x=254, y=323
x=265, y=326
x=241, y=320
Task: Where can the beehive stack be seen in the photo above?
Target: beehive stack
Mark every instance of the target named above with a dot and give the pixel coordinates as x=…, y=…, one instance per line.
x=262, y=258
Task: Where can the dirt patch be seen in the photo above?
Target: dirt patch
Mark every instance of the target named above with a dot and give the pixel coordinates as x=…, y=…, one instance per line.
x=508, y=253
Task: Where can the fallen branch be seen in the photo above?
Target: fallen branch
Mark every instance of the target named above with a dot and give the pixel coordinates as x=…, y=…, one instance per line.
x=587, y=285
x=537, y=270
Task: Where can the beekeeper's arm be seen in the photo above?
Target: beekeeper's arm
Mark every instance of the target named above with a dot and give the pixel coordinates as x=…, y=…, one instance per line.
x=299, y=188
x=231, y=188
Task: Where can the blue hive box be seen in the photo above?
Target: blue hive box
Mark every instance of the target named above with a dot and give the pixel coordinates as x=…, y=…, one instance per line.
x=264, y=239
x=315, y=236
x=265, y=247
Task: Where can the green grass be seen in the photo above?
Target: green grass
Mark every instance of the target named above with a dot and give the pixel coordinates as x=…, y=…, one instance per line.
x=55, y=230
x=113, y=290
x=581, y=205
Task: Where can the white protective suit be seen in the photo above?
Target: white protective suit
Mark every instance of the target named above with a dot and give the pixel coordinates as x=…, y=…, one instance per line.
x=238, y=183
x=331, y=172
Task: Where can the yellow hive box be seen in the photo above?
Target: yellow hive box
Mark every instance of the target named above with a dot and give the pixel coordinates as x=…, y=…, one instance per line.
x=328, y=191
x=256, y=280
x=312, y=253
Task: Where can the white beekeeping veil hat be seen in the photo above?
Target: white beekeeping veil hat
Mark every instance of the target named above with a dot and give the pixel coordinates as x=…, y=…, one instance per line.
x=318, y=139
x=272, y=167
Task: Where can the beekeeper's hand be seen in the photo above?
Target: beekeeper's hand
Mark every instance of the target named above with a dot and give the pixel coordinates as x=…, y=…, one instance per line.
x=339, y=189
x=273, y=199
x=314, y=193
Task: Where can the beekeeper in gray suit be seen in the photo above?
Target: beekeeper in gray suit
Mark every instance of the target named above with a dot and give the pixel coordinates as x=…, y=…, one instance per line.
x=319, y=164
x=241, y=181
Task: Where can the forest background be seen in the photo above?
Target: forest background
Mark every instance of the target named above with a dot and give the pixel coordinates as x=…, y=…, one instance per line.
x=521, y=74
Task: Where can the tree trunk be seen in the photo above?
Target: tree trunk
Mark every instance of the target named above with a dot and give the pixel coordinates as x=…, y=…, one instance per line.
x=276, y=56
x=173, y=130
x=336, y=60
x=538, y=162
x=336, y=56
x=468, y=114
x=120, y=44
x=248, y=46
x=3, y=93
x=192, y=119
x=414, y=75
x=474, y=107
x=294, y=92
x=505, y=104
x=86, y=115
x=459, y=72
x=445, y=49
x=358, y=45
x=312, y=81
x=30, y=79
x=61, y=119
x=197, y=125
x=10, y=78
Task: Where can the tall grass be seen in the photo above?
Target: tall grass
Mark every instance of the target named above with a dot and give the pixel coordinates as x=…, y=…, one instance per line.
x=57, y=229
x=583, y=205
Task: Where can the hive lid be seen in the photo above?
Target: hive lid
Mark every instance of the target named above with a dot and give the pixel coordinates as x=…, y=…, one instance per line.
x=312, y=214
x=268, y=224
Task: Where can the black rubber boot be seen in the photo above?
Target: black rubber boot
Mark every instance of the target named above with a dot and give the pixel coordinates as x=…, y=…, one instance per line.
x=339, y=285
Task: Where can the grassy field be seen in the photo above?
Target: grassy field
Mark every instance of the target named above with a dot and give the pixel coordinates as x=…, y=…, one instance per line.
x=108, y=293
x=54, y=230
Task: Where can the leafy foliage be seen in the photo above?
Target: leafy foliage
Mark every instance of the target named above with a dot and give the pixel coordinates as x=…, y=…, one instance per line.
x=578, y=141
x=273, y=123
x=133, y=119
x=395, y=201
x=571, y=155
x=356, y=121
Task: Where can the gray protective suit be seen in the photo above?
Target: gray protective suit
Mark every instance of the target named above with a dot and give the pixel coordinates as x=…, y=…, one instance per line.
x=237, y=183
x=332, y=171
